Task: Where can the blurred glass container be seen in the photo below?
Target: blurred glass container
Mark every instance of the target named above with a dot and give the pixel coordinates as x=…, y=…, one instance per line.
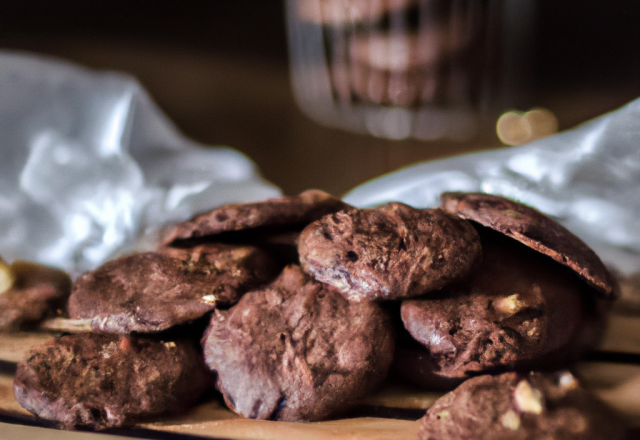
x=426, y=69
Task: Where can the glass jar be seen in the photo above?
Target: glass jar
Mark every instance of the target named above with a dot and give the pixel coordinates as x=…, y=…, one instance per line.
x=427, y=69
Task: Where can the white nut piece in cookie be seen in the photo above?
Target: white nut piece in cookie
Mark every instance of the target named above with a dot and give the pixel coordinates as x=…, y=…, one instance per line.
x=509, y=305
x=510, y=420
x=527, y=398
x=567, y=381
x=7, y=276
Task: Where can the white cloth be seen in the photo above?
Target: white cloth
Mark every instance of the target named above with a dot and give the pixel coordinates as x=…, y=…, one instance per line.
x=89, y=164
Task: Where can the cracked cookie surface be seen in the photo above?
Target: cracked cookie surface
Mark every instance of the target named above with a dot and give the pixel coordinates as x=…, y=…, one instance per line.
x=153, y=291
x=518, y=309
x=297, y=350
x=515, y=406
x=390, y=252
x=104, y=381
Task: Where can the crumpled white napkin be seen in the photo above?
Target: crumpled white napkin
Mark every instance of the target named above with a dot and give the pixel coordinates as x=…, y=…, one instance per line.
x=89, y=163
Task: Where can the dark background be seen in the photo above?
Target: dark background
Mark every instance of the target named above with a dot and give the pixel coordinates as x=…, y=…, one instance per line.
x=219, y=69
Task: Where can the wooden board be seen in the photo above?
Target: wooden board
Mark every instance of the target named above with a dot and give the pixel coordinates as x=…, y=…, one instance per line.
x=202, y=422
x=16, y=431
x=15, y=346
x=616, y=382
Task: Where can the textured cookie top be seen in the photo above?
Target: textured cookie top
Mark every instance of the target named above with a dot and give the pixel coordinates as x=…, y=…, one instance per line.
x=35, y=292
x=394, y=251
x=518, y=309
x=104, y=381
x=535, y=230
x=297, y=350
x=520, y=407
x=153, y=291
x=294, y=211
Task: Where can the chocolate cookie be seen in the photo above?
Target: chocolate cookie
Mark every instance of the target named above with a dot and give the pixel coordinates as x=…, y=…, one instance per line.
x=297, y=350
x=105, y=381
x=292, y=212
x=33, y=292
x=391, y=252
x=153, y=291
x=520, y=407
x=518, y=311
x=535, y=230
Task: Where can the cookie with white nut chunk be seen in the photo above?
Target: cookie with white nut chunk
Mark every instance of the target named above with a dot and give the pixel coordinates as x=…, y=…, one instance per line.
x=391, y=252
x=152, y=291
x=296, y=350
x=105, y=381
x=519, y=310
x=516, y=406
x=533, y=229
x=29, y=293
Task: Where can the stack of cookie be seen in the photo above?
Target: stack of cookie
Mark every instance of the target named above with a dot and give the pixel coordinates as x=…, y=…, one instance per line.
x=490, y=290
x=308, y=301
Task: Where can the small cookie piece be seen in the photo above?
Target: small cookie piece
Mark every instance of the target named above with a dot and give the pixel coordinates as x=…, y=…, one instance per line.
x=513, y=406
x=518, y=309
x=297, y=350
x=32, y=293
x=391, y=252
x=104, y=381
x=152, y=291
x=534, y=229
x=293, y=212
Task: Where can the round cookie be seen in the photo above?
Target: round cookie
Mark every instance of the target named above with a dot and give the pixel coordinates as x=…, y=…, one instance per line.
x=152, y=291
x=290, y=212
x=105, y=381
x=520, y=407
x=35, y=292
x=519, y=310
x=297, y=350
x=391, y=252
x=535, y=230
